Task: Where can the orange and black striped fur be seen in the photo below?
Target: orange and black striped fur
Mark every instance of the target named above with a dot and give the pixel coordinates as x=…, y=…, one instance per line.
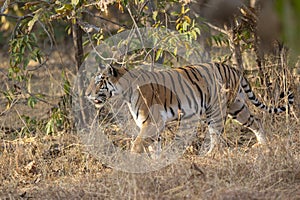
x=211, y=89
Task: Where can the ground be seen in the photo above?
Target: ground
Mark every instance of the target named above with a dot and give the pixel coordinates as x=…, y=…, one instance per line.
x=55, y=166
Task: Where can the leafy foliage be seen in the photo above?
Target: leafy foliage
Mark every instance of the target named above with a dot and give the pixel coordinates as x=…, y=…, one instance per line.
x=23, y=48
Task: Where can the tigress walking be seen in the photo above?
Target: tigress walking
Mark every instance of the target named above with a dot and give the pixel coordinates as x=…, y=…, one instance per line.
x=154, y=98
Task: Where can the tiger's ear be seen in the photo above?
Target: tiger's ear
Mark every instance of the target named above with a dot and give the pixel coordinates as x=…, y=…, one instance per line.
x=112, y=71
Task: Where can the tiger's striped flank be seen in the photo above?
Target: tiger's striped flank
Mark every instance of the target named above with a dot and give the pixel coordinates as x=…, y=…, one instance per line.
x=213, y=90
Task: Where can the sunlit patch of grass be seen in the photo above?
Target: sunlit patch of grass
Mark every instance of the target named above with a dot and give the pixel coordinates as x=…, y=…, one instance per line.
x=58, y=166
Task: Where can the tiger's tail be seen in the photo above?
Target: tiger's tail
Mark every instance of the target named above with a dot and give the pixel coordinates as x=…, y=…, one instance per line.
x=254, y=100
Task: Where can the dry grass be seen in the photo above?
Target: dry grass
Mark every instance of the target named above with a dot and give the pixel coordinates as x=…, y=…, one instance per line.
x=58, y=167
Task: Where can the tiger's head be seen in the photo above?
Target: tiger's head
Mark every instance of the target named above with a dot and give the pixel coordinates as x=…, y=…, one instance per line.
x=105, y=85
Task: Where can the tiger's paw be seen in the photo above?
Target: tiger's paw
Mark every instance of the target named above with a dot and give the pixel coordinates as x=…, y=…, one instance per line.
x=154, y=152
x=259, y=145
x=137, y=149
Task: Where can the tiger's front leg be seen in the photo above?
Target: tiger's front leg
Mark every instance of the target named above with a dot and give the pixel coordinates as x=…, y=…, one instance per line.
x=149, y=133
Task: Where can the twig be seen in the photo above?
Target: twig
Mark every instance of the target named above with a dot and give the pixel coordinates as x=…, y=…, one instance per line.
x=143, y=6
x=18, y=24
x=94, y=48
x=21, y=118
x=136, y=27
x=217, y=28
x=10, y=16
x=104, y=19
x=14, y=102
x=245, y=10
x=5, y=6
x=88, y=27
x=51, y=47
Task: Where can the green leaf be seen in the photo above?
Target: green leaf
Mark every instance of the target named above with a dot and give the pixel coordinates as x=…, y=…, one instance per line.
x=39, y=57
x=67, y=86
x=25, y=63
x=175, y=51
x=154, y=15
x=158, y=54
x=194, y=34
x=185, y=26
x=31, y=101
x=178, y=26
x=187, y=19
x=75, y=2
x=50, y=126
x=34, y=19
x=197, y=30
x=64, y=9
x=174, y=13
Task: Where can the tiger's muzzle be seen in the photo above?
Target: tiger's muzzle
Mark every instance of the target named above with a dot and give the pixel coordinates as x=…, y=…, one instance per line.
x=98, y=103
x=98, y=100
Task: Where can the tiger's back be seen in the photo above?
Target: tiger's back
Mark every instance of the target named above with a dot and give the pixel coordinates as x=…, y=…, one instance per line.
x=190, y=90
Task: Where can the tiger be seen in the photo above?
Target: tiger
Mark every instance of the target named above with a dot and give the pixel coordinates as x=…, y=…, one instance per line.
x=213, y=90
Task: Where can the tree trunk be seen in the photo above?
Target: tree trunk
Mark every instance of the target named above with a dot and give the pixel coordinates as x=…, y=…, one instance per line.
x=77, y=41
x=82, y=120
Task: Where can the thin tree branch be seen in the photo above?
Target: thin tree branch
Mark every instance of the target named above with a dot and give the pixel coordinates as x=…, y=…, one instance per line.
x=246, y=11
x=51, y=47
x=137, y=28
x=105, y=19
x=217, y=28
x=5, y=6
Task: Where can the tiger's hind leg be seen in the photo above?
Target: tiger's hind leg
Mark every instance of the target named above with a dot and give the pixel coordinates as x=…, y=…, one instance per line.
x=239, y=111
x=216, y=119
x=215, y=134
